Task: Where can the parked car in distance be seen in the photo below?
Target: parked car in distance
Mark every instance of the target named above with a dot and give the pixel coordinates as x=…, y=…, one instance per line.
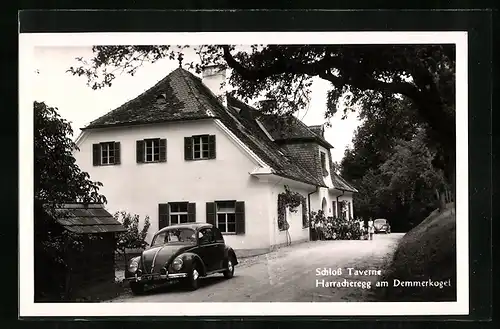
x=184, y=252
x=382, y=225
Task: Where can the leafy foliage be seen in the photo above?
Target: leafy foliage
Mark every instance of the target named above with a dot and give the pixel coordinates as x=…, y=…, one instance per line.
x=58, y=179
x=290, y=200
x=133, y=237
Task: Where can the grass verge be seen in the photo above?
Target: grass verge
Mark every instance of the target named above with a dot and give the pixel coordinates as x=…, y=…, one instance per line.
x=428, y=251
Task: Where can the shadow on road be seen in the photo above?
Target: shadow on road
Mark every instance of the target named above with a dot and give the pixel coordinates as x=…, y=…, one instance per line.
x=178, y=287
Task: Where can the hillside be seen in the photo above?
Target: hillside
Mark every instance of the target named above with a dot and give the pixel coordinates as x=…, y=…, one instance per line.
x=428, y=251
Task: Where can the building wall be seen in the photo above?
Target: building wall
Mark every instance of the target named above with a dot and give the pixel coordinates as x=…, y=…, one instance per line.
x=297, y=233
x=139, y=188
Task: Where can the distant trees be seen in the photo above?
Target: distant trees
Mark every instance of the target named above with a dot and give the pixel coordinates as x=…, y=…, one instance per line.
x=391, y=165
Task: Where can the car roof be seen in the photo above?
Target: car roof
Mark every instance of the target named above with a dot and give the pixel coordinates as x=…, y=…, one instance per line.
x=193, y=226
x=381, y=219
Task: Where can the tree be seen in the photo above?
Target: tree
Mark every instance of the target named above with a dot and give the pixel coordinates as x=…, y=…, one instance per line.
x=58, y=179
x=425, y=74
x=133, y=237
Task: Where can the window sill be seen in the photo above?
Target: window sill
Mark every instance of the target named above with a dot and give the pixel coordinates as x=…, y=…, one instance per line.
x=228, y=233
x=148, y=162
x=108, y=164
x=204, y=159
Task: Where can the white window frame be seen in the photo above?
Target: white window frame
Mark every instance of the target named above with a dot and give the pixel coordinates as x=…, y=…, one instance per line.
x=225, y=212
x=177, y=214
x=204, y=146
x=153, y=144
x=107, y=146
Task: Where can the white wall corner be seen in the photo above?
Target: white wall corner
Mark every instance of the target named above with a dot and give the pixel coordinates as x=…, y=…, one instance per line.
x=239, y=143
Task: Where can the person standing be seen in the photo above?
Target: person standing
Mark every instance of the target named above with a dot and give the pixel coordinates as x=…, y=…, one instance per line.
x=371, y=229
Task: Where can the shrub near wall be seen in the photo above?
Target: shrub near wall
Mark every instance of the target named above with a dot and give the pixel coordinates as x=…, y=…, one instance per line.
x=334, y=228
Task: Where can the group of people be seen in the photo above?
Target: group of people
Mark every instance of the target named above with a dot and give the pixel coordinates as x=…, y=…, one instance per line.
x=369, y=230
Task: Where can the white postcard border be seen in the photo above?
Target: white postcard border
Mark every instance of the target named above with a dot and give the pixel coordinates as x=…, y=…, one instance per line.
x=27, y=306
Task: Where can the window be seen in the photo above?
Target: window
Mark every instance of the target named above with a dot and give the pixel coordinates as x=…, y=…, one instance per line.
x=323, y=164
x=178, y=213
x=151, y=150
x=199, y=147
x=206, y=236
x=227, y=216
x=106, y=153
x=152, y=147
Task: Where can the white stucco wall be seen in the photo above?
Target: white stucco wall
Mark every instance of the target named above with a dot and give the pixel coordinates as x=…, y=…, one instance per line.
x=139, y=188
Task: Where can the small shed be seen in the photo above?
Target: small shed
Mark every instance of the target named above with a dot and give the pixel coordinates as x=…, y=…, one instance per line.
x=92, y=261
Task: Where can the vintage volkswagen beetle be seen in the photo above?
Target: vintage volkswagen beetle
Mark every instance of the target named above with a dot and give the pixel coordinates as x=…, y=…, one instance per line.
x=183, y=252
x=382, y=225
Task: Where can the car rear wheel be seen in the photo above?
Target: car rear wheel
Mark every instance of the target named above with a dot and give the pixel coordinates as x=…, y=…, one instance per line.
x=229, y=272
x=193, y=280
x=137, y=288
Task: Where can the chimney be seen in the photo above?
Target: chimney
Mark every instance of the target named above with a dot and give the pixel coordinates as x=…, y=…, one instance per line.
x=214, y=77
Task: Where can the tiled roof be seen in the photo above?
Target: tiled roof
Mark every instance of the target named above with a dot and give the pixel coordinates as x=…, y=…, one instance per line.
x=86, y=219
x=317, y=129
x=169, y=100
x=287, y=129
x=182, y=96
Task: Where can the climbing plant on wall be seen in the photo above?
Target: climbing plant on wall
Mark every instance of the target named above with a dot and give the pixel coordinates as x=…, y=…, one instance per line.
x=292, y=200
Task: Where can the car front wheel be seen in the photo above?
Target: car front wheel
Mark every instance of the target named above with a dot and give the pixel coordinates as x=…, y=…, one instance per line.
x=193, y=279
x=229, y=272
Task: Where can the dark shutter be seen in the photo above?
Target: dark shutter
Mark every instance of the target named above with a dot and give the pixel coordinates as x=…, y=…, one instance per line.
x=240, y=217
x=211, y=213
x=163, y=150
x=211, y=147
x=117, y=153
x=188, y=148
x=192, y=212
x=163, y=210
x=140, y=151
x=96, y=154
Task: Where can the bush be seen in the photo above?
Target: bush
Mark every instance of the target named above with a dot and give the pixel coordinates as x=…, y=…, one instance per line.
x=333, y=228
x=133, y=237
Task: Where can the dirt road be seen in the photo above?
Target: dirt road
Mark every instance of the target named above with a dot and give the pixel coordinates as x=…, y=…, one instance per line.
x=290, y=275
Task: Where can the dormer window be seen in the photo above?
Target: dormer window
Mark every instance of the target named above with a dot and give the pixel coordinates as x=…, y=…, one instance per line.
x=161, y=98
x=323, y=164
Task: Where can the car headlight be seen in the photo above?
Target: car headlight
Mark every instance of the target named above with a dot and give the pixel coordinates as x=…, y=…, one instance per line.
x=177, y=263
x=134, y=264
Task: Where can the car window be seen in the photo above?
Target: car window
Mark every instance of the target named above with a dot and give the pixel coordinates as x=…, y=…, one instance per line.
x=206, y=236
x=174, y=236
x=218, y=235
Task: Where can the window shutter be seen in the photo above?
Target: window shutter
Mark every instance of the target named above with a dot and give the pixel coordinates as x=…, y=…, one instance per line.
x=240, y=217
x=211, y=147
x=163, y=210
x=211, y=213
x=140, y=151
x=163, y=150
x=191, y=212
x=188, y=148
x=96, y=154
x=117, y=153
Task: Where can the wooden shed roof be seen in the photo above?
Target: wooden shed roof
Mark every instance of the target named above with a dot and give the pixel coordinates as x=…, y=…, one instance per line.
x=87, y=218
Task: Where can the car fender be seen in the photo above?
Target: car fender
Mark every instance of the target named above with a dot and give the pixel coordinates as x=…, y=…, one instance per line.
x=190, y=258
x=229, y=252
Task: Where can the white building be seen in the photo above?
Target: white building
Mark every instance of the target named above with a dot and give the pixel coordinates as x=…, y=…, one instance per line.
x=184, y=151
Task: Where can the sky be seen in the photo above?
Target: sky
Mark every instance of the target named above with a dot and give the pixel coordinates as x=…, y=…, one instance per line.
x=79, y=104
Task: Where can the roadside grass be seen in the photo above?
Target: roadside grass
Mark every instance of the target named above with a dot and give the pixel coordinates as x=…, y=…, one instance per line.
x=428, y=251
